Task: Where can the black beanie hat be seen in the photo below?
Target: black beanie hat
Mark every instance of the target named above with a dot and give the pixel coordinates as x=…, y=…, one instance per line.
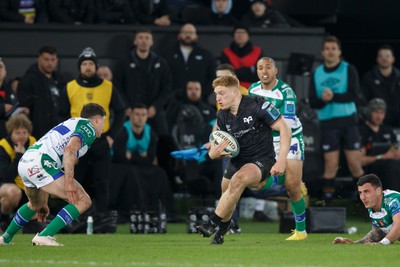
x=87, y=54
x=241, y=26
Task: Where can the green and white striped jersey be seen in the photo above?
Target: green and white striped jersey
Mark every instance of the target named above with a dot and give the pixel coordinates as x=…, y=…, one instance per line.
x=284, y=99
x=390, y=206
x=53, y=143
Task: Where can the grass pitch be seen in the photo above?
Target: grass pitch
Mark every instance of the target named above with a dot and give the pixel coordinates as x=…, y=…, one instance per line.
x=259, y=245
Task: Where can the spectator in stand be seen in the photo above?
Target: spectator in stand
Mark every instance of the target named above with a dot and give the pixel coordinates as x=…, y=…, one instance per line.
x=194, y=119
x=5, y=102
x=262, y=15
x=28, y=12
x=39, y=90
x=220, y=15
x=144, y=77
x=136, y=146
x=89, y=88
x=13, y=84
x=243, y=56
x=75, y=12
x=12, y=147
x=152, y=12
x=114, y=12
x=383, y=81
x=190, y=62
x=380, y=153
x=105, y=73
x=334, y=86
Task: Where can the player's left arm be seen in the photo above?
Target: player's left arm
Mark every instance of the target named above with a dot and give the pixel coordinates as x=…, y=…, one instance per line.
x=394, y=233
x=285, y=134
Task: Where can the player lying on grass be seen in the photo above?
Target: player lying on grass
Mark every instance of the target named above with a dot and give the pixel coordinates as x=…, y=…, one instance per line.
x=47, y=168
x=383, y=209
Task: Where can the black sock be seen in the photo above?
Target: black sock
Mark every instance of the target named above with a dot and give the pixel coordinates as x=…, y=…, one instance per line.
x=215, y=220
x=224, y=225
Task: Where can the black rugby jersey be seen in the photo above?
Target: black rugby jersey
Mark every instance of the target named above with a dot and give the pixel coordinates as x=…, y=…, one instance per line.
x=251, y=127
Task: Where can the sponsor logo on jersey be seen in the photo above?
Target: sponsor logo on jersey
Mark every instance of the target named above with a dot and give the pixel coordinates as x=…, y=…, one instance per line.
x=259, y=164
x=248, y=119
x=50, y=164
x=289, y=107
x=86, y=130
x=34, y=170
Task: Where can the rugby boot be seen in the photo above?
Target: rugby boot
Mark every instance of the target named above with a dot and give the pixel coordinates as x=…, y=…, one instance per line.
x=45, y=241
x=296, y=236
x=218, y=238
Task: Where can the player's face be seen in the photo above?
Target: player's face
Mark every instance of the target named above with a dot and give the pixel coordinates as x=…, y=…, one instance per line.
x=88, y=69
x=266, y=72
x=187, y=35
x=47, y=63
x=99, y=125
x=19, y=135
x=331, y=52
x=377, y=117
x=385, y=58
x=138, y=117
x=370, y=196
x=143, y=41
x=225, y=96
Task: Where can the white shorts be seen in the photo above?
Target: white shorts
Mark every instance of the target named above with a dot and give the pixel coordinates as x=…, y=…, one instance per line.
x=37, y=169
x=296, y=150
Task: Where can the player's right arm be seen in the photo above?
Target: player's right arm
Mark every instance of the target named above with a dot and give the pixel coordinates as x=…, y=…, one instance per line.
x=70, y=159
x=373, y=236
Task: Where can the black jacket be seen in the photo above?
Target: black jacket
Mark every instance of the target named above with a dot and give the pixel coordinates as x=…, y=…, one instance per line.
x=375, y=85
x=271, y=19
x=45, y=94
x=146, y=11
x=71, y=11
x=151, y=86
x=114, y=11
x=199, y=67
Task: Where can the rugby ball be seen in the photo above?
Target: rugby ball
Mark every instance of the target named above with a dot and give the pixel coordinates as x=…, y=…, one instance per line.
x=233, y=145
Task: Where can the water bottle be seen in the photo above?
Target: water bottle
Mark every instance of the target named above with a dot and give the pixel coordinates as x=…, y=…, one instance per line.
x=89, y=227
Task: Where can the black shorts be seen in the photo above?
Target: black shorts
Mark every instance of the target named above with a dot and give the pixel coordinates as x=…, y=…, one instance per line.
x=264, y=164
x=347, y=138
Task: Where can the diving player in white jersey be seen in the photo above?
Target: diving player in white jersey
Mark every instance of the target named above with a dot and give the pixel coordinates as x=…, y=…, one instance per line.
x=47, y=168
x=383, y=209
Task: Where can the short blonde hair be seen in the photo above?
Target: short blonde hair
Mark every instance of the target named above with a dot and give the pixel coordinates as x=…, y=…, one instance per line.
x=17, y=122
x=226, y=81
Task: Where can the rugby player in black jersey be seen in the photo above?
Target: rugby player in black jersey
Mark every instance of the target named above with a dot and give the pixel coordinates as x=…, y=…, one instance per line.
x=250, y=120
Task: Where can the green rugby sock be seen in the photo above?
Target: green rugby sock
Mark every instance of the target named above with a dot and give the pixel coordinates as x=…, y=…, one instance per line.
x=299, y=211
x=63, y=218
x=273, y=181
x=22, y=217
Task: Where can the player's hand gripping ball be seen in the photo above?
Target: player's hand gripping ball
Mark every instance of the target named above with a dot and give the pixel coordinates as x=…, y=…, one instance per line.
x=233, y=145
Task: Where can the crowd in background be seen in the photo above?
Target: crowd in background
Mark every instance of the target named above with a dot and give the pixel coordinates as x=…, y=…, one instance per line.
x=161, y=100
x=255, y=13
